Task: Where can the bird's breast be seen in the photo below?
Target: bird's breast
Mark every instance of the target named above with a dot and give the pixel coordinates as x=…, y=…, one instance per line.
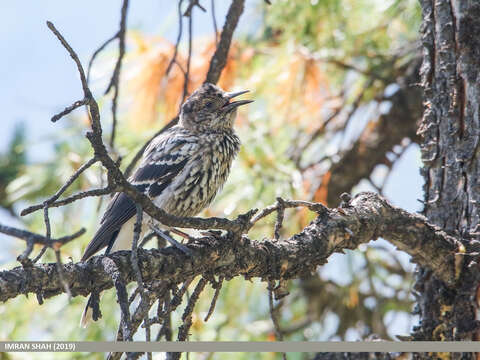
x=204, y=174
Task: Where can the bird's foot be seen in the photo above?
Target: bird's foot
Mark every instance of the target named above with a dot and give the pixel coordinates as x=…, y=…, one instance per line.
x=184, y=235
x=172, y=241
x=209, y=233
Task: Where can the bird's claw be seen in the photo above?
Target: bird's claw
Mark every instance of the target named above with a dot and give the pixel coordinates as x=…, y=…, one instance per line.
x=173, y=242
x=209, y=233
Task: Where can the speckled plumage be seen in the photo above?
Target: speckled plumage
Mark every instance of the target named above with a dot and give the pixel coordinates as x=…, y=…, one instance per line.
x=203, y=160
x=181, y=170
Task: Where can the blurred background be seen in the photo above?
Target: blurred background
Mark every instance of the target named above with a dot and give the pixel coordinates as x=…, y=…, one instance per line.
x=336, y=107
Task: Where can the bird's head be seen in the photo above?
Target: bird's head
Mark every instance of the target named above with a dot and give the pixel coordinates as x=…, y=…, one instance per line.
x=210, y=108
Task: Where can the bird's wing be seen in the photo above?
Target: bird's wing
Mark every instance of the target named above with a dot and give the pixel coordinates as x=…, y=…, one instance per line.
x=119, y=211
x=162, y=161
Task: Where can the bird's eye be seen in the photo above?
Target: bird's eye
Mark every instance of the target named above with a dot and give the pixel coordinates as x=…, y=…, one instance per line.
x=209, y=105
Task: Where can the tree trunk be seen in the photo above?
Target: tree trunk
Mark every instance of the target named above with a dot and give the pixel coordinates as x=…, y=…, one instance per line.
x=450, y=130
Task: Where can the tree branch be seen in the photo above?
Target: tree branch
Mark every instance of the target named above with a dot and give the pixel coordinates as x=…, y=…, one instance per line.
x=117, y=181
x=38, y=239
x=377, y=140
x=217, y=63
x=219, y=59
x=368, y=216
x=115, y=80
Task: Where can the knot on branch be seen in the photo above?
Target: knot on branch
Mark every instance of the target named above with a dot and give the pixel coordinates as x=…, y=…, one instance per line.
x=243, y=221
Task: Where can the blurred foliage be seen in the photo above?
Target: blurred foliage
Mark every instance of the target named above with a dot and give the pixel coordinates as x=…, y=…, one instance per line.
x=11, y=163
x=305, y=60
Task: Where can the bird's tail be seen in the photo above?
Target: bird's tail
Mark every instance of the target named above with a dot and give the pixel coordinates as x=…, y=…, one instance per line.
x=87, y=316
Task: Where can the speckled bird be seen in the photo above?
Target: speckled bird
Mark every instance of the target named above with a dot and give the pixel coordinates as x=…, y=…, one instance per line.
x=181, y=170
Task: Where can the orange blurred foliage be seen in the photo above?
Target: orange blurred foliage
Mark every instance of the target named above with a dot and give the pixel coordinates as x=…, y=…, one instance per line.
x=157, y=96
x=322, y=191
x=303, y=88
x=353, y=298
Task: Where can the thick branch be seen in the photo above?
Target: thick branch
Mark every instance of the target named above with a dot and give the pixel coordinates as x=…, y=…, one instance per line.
x=366, y=217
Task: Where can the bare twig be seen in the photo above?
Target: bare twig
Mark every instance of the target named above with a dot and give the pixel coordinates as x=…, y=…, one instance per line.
x=214, y=21
x=217, y=287
x=136, y=235
x=115, y=80
x=116, y=276
x=141, y=312
x=240, y=224
x=23, y=258
x=190, y=7
x=98, y=51
x=146, y=239
x=297, y=151
x=284, y=204
x=121, y=47
x=46, y=219
x=187, y=315
x=40, y=254
x=274, y=315
x=171, y=306
x=47, y=203
x=368, y=73
x=117, y=182
x=72, y=178
x=68, y=200
x=95, y=303
x=167, y=320
x=36, y=238
x=280, y=215
x=32, y=238
x=148, y=338
x=189, y=59
x=219, y=58
x=56, y=247
x=179, y=38
x=69, y=109
x=75, y=58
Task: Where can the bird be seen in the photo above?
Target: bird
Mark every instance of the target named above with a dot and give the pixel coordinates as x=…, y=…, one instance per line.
x=181, y=170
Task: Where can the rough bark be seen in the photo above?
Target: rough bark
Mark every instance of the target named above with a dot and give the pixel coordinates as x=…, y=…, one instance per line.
x=368, y=216
x=450, y=130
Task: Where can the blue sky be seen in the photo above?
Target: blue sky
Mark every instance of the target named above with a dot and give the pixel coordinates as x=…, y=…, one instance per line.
x=39, y=78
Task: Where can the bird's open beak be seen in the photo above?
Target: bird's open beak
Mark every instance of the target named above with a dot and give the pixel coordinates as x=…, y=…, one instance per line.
x=231, y=95
x=234, y=104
